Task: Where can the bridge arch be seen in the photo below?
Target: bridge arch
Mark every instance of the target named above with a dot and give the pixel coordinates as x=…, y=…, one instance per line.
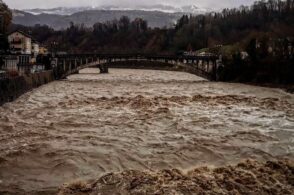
x=203, y=66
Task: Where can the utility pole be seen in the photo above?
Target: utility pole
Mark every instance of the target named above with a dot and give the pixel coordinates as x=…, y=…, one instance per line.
x=2, y=34
x=3, y=43
x=1, y=24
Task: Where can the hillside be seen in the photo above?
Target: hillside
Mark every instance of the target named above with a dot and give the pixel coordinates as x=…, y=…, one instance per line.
x=192, y=9
x=90, y=17
x=263, y=31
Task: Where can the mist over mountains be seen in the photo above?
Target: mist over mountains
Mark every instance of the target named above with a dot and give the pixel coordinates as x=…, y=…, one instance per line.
x=90, y=17
x=193, y=9
x=60, y=17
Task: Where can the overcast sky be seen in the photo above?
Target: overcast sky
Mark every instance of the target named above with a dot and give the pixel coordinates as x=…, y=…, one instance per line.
x=216, y=4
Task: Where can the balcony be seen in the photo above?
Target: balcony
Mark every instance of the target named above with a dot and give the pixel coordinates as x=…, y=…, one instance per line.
x=16, y=42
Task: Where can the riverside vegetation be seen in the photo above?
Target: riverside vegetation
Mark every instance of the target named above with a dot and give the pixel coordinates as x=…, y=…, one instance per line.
x=264, y=31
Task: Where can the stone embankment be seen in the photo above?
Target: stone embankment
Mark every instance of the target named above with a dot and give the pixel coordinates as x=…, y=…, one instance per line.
x=12, y=88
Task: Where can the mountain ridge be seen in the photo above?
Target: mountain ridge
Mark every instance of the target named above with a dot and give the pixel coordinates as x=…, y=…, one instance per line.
x=90, y=17
x=192, y=9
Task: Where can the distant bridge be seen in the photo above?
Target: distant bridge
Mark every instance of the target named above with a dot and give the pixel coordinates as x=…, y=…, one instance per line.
x=203, y=66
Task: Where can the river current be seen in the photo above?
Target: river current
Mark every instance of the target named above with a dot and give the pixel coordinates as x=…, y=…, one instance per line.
x=91, y=124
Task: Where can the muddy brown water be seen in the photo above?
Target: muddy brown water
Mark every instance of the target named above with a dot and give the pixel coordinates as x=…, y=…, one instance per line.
x=91, y=124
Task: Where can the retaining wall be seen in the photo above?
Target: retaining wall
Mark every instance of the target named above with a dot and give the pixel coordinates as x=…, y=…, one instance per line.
x=12, y=88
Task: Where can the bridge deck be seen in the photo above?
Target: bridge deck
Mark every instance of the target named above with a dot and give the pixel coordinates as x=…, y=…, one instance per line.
x=204, y=65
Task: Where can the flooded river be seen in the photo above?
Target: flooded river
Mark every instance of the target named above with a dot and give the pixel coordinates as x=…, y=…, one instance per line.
x=91, y=124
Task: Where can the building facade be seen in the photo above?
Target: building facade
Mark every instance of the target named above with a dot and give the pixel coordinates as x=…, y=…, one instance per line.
x=17, y=63
x=43, y=50
x=20, y=43
x=35, y=48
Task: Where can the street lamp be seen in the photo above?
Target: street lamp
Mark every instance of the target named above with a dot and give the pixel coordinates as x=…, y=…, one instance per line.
x=54, y=45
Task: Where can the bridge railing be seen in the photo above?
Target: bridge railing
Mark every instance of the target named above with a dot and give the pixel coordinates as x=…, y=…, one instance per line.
x=139, y=56
x=73, y=62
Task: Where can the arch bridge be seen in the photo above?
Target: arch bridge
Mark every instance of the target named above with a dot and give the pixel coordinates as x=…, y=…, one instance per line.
x=203, y=66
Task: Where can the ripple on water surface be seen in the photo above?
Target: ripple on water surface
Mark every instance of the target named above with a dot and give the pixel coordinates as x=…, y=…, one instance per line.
x=91, y=124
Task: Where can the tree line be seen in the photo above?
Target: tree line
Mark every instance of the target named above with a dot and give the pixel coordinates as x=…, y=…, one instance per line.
x=253, y=29
x=273, y=18
x=5, y=20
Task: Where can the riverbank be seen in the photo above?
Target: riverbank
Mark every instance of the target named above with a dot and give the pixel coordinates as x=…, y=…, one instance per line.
x=12, y=88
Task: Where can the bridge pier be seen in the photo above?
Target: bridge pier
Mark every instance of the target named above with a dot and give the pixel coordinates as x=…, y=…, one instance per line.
x=72, y=64
x=103, y=69
x=64, y=65
x=214, y=71
x=75, y=72
x=67, y=67
x=76, y=63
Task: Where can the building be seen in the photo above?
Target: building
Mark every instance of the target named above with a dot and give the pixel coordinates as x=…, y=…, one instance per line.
x=3, y=74
x=10, y=63
x=43, y=50
x=35, y=48
x=20, y=42
x=17, y=63
x=244, y=55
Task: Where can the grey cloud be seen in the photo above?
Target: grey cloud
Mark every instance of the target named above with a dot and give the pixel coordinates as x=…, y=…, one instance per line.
x=24, y=4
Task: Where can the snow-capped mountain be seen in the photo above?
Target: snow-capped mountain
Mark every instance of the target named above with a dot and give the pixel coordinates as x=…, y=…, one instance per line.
x=90, y=17
x=160, y=7
x=58, y=10
x=195, y=10
x=60, y=17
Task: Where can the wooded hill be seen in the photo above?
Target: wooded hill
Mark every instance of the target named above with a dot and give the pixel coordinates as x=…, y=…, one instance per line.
x=264, y=30
x=274, y=19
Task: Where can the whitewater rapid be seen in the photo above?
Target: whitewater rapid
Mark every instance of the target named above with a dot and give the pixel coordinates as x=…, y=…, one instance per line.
x=90, y=124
